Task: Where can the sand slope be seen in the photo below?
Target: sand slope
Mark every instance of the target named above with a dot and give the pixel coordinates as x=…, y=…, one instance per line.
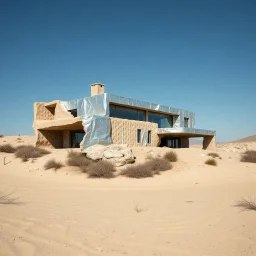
x=185, y=211
x=247, y=139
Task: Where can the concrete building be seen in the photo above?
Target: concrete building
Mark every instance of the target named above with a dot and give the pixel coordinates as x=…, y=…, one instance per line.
x=105, y=118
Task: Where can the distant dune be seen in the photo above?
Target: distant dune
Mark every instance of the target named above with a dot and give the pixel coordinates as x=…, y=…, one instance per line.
x=247, y=139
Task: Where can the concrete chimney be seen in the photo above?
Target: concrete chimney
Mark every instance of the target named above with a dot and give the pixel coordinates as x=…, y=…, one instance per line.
x=97, y=89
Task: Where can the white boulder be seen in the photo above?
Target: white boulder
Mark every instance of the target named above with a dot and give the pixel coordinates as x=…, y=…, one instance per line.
x=118, y=154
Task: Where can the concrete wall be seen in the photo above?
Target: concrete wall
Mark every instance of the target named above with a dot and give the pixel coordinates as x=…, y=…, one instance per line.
x=52, y=139
x=125, y=131
x=41, y=112
x=184, y=141
x=209, y=143
x=66, y=139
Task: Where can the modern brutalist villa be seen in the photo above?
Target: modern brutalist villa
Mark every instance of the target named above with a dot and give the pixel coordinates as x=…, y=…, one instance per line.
x=104, y=118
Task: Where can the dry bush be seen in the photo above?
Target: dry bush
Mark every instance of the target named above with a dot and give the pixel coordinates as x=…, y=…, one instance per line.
x=18, y=139
x=148, y=169
x=26, y=152
x=7, y=199
x=171, y=156
x=78, y=159
x=138, y=209
x=213, y=155
x=7, y=148
x=138, y=171
x=1, y=135
x=157, y=165
x=246, y=204
x=249, y=156
x=53, y=164
x=211, y=162
x=101, y=169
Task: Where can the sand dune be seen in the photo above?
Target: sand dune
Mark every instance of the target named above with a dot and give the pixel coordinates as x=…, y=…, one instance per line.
x=185, y=211
x=247, y=139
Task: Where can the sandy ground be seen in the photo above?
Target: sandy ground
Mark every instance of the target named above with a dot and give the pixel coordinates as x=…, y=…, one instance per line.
x=185, y=211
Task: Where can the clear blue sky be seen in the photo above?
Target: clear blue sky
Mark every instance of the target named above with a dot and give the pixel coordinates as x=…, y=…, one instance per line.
x=196, y=55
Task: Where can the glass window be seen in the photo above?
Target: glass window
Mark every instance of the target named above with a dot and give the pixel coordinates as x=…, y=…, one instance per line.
x=138, y=135
x=76, y=138
x=163, y=121
x=127, y=113
x=149, y=137
x=186, y=122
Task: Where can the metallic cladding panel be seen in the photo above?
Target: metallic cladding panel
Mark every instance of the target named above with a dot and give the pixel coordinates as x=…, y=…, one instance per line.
x=186, y=130
x=143, y=104
x=94, y=112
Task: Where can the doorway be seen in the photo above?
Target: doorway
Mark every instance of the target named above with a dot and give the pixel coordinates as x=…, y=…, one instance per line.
x=76, y=138
x=170, y=142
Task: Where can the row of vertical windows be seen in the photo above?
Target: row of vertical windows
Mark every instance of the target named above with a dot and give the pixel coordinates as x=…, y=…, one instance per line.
x=139, y=136
x=127, y=113
x=163, y=121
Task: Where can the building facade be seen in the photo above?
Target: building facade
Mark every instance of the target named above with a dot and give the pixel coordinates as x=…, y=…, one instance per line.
x=105, y=118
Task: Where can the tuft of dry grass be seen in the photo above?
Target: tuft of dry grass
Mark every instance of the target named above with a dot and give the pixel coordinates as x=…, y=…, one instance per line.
x=138, y=171
x=138, y=209
x=211, y=162
x=101, y=169
x=213, y=155
x=157, y=165
x=246, y=204
x=79, y=160
x=7, y=148
x=148, y=169
x=171, y=156
x=7, y=199
x=249, y=156
x=27, y=152
x=53, y=164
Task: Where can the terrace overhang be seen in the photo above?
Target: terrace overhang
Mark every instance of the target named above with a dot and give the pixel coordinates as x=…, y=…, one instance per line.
x=185, y=132
x=59, y=124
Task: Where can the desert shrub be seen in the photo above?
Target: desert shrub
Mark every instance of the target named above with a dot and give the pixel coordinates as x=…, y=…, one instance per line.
x=27, y=152
x=52, y=164
x=78, y=159
x=7, y=148
x=211, y=162
x=138, y=171
x=171, y=156
x=213, y=155
x=157, y=165
x=249, y=156
x=1, y=135
x=101, y=169
x=246, y=204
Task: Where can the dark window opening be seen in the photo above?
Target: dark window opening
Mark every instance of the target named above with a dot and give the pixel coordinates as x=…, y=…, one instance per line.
x=138, y=136
x=73, y=112
x=149, y=137
x=52, y=110
x=76, y=138
x=170, y=142
x=186, y=122
x=163, y=121
x=127, y=113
